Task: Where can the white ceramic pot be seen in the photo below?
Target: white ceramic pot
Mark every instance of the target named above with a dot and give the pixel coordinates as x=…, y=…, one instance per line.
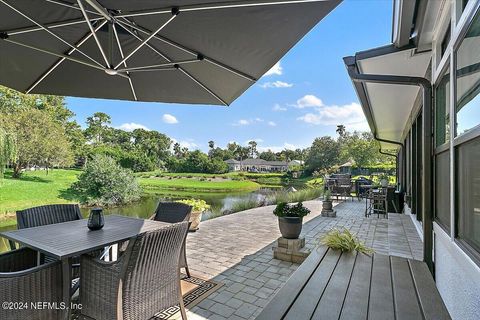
x=195, y=218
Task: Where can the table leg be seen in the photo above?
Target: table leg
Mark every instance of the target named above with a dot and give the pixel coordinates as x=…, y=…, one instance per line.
x=67, y=284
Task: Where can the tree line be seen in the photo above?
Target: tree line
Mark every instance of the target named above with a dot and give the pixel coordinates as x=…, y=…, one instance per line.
x=44, y=133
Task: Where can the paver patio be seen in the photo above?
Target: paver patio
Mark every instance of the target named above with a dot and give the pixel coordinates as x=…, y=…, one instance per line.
x=237, y=251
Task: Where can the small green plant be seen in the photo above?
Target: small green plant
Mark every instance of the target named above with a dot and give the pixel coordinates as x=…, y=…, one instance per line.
x=196, y=204
x=283, y=209
x=344, y=240
x=328, y=195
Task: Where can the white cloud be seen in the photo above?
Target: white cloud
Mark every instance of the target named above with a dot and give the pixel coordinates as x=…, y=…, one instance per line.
x=188, y=143
x=278, y=108
x=246, y=122
x=350, y=115
x=307, y=101
x=276, y=84
x=286, y=145
x=272, y=124
x=168, y=118
x=276, y=69
x=132, y=126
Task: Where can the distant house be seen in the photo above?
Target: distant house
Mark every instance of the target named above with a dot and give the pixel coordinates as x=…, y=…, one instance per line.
x=260, y=165
x=346, y=167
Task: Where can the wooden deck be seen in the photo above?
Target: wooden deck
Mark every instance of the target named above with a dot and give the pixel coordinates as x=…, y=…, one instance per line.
x=335, y=285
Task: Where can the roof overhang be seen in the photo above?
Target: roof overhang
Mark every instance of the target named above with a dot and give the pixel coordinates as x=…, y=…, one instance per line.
x=386, y=106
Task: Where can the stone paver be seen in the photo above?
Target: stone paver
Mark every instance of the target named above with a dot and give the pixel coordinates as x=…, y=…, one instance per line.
x=237, y=251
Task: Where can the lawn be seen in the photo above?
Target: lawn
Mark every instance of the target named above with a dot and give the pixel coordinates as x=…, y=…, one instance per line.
x=34, y=188
x=188, y=184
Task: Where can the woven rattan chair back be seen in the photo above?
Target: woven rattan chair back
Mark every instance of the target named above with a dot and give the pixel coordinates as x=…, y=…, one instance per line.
x=49, y=214
x=172, y=212
x=151, y=277
x=24, y=284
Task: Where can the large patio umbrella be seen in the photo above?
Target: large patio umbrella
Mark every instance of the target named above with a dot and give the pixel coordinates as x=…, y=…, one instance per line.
x=189, y=51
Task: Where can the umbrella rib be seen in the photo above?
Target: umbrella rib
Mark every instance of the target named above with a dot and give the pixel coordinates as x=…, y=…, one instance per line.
x=50, y=26
x=100, y=9
x=125, y=63
x=189, y=51
x=204, y=87
x=99, y=45
x=52, y=68
x=120, y=23
x=48, y=30
x=152, y=34
x=55, y=54
x=214, y=6
x=157, y=66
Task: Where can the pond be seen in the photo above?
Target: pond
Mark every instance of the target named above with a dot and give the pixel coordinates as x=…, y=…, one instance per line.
x=220, y=204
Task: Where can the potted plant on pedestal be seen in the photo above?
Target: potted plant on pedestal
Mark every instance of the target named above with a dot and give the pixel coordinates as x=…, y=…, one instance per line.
x=198, y=207
x=327, y=206
x=290, y=218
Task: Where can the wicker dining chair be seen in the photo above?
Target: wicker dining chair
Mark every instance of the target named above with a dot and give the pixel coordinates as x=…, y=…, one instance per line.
x=51, y=214
x=174, y=212
x=142, y=282
x=25, y=284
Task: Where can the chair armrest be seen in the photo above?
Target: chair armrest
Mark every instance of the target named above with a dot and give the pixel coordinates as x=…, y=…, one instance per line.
x=99, y=285
x=17, y=260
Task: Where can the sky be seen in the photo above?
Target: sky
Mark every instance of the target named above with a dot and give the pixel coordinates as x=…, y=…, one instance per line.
x=304, y=96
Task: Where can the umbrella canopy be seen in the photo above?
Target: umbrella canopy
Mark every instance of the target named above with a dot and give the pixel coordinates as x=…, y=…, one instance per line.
x=190, y=51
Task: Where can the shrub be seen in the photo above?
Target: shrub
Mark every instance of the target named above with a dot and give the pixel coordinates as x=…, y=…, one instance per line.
x=105, y=183
x=283, y=209
x=345, y=241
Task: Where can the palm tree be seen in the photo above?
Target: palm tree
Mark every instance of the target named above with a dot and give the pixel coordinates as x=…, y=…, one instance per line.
x=341, y=130
x=211, y=144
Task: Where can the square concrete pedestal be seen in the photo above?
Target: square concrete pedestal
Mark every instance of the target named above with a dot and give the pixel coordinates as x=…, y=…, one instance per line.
x=291, y=250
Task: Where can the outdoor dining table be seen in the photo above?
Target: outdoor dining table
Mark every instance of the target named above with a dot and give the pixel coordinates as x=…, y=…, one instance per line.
x=69, y=239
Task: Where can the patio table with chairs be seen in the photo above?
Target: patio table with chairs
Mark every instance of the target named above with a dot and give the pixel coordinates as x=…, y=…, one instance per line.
x=51, y=238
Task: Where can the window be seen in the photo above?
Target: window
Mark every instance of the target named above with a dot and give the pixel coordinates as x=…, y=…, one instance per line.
x=468, y=192
x=468, y=80
x=442, y=110
x=445, y=40
x=442, y=189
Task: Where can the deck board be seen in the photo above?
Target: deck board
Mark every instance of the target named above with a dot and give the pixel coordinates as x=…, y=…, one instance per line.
x=430, y=300
x=282, y=301
x=335, y=285
x=355, y=306
x=405, y=297
x=306, y=302
x=381, y=296
x=330, y=306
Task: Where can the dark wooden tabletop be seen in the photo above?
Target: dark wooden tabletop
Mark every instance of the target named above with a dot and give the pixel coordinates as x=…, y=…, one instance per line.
x=331, y=284
x=68, y=239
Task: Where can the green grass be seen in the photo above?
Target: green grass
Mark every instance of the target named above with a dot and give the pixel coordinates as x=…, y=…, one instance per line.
x=197, y=185
x=34, y=188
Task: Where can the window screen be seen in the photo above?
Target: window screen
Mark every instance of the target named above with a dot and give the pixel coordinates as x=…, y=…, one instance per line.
x=442, y=189
x=468, y=192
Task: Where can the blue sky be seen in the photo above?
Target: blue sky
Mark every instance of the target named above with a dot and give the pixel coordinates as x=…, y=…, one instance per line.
x=302, y=98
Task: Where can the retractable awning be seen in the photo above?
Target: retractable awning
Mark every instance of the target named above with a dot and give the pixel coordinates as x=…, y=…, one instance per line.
x=188, y=51
x=387, y=107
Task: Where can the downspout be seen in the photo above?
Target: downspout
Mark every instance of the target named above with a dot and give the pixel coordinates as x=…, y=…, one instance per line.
x=427, y=181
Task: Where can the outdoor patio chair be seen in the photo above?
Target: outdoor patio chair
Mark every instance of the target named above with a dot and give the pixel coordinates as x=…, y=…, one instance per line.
x=174, y=212
x=142, y=282
x=23, y=282
x=51, y=214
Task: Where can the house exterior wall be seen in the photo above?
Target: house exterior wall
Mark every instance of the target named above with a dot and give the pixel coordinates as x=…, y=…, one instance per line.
x=457, y=270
